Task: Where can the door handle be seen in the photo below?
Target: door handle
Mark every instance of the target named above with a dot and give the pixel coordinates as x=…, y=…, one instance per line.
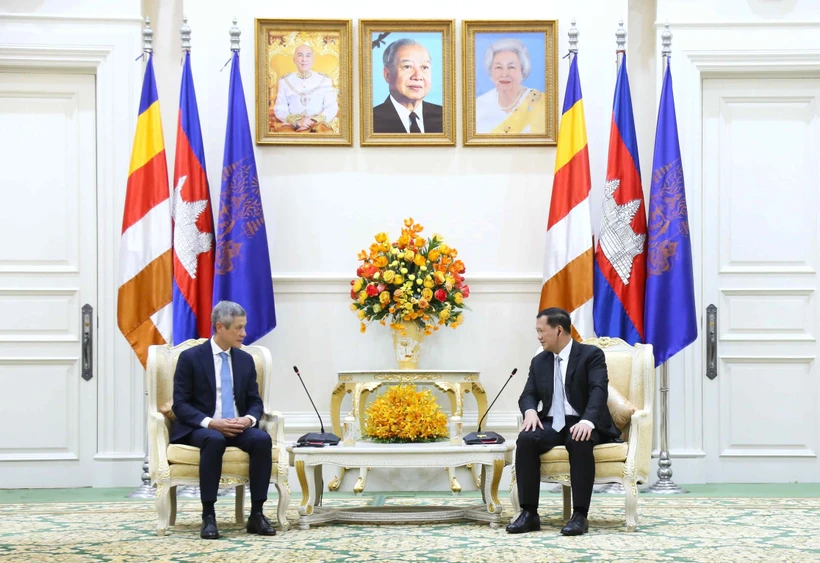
x=88, y=342
x=711, y=341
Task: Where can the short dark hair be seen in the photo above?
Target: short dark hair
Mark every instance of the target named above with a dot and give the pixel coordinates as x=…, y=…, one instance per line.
x=556, y=317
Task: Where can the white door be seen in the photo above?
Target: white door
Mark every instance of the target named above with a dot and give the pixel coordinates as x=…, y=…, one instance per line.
x=48, y=271
x=761, y=176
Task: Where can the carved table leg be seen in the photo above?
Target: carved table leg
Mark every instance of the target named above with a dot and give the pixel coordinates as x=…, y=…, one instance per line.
x=455, y=486
x=307, y=480
x=361, y=482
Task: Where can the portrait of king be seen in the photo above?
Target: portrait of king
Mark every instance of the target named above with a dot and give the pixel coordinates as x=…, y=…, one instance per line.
x=303, y=76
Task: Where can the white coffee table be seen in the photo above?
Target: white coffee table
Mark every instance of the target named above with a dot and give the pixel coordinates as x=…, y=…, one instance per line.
x=309, y=461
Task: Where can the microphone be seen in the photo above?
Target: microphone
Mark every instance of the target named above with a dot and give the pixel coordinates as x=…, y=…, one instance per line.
x=478, y=437
x=315, y=438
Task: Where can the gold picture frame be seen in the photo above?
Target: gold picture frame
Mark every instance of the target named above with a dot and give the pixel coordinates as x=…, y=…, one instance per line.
x=311, y=106
x=400, y=109
x=510, y=83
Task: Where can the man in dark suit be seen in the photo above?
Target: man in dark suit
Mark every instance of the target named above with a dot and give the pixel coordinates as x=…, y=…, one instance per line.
x=407, y=71
x=570, y=380
x=217, y=404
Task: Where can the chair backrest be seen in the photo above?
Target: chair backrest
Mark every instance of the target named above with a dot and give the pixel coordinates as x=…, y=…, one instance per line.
x=631, y=369
x=162, y=363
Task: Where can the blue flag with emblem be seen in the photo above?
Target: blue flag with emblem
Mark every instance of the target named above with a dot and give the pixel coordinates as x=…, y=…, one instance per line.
x=670, y=319
x=242, y=267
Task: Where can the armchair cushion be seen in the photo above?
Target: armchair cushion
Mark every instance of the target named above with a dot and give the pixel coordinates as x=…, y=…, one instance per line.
x=620, y=408
x=613, y=451
x=189, y=455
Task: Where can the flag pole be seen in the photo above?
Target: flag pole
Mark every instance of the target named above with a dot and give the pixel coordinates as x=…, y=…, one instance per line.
x=145, y=490
x=665, y=484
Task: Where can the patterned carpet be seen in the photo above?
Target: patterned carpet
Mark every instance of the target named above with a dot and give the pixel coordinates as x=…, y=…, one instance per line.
x=670, y=529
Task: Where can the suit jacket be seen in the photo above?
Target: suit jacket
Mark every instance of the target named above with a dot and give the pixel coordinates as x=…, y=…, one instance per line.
x=387, y=120
x=195, y=388
x=585, y=386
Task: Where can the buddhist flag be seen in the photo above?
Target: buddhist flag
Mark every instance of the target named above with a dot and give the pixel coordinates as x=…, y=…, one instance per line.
x=193, y=222
x=568, y=251
x=144, y=297
x=620, y=258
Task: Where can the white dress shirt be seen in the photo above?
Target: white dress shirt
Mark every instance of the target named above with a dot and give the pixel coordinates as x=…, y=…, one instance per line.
x=216, y=350
x=568, y=410
x=404, y=114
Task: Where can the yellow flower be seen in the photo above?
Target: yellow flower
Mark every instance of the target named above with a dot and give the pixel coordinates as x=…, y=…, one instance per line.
x=433, y=255
x=420, y=260
x=444, y=315
x=381, y=237
x=439, y=277
x=362, y=328
x=409, y=255
x=353, y=307
x=398, y=280
x=444, y=249
x=458, y=298
x=389, y=276
x=428, y=282
x=419, y=281
x=377, y=308
x=427, y=293
x=408, y=222
x=357, y=285
x=384, y=297
x=360, y=314
x=411, y=277
x=403, y=270
x=380, y=262
x=419, y=242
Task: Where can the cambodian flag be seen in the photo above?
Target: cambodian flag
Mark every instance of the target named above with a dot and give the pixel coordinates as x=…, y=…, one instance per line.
x=620, y=259
x=193, y=222
x=243, y=272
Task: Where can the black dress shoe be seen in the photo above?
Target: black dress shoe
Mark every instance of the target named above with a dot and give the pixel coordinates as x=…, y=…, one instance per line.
x=526, y=522
x=258, y=524
x=209, y=530
x=576, y=526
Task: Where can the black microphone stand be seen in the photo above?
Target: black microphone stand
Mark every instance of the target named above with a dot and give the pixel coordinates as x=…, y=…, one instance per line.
x=478, y=437
x=315, y=439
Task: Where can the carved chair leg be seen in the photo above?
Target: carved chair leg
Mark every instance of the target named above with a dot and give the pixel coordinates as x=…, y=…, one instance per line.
x=514, y=496
x=567, y=502
x=282, y=506
x=163, y=505
x=173, y=497
x=240, y=504
x=631, y=495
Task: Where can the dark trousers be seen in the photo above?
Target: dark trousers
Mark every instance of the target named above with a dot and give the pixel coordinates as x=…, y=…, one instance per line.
x=532, y=444
x=212, y=444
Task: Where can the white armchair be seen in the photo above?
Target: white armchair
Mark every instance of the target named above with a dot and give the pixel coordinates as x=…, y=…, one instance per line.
x=171, y=465
x=631, y=371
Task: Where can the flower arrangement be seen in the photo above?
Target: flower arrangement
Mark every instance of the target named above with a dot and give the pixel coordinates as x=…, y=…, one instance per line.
x=405, y=414
x=410, y=279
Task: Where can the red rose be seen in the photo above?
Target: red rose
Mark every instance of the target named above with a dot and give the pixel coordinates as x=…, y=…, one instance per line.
x=441, y=295
x=359, y=271
x=372, y=290
x=368, y=270
x=353, y=294
x=465, y=290
x=458, y=285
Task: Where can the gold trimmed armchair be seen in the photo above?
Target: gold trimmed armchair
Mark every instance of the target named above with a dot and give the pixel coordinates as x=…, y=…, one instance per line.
x=171, y=465
x=631, y=371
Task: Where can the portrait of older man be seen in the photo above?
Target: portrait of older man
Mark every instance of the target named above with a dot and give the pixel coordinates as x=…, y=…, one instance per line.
x=408, y=71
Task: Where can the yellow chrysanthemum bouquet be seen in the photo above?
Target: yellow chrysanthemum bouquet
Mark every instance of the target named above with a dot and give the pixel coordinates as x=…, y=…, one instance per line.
x=405, y=414
x=410, y=279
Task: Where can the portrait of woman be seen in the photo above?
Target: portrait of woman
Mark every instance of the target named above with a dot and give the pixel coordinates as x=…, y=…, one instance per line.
x=509, y=107
x=510, y=83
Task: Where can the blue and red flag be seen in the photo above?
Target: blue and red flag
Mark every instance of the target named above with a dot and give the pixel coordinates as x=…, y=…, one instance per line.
x=620, y=259
x=193, y=222
x=243, y=270
x=671, y=319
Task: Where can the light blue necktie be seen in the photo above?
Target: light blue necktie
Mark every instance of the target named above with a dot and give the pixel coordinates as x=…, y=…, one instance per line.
x=227, y=387
x=558, y=418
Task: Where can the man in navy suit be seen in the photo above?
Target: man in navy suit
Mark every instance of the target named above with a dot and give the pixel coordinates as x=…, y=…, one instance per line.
x=408, y=72
x=217, y=404
x=571, y=382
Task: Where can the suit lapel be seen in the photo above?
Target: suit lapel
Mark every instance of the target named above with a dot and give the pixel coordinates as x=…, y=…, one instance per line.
x=207, y=361
x=574, y=354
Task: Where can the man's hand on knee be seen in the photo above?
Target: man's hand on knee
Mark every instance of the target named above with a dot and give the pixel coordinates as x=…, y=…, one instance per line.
x=229, y=427
x=531, y=421
x=580, y=432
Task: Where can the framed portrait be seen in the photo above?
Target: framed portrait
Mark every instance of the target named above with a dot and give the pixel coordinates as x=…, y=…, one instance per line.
x=510, y=84
x=407, y=91
x=304, y=79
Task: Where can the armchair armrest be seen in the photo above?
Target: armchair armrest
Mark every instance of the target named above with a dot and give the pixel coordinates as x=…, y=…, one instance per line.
x=273, y=422
x=639, y=452
x=158, y=440
x=519, y=420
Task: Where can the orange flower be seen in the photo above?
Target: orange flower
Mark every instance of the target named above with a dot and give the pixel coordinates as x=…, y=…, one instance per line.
x=381, y=237
x=433, y=255
x=362, y=255
x=381, y=261
x=403, y=241
x=419, y=260
x=408, y=222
